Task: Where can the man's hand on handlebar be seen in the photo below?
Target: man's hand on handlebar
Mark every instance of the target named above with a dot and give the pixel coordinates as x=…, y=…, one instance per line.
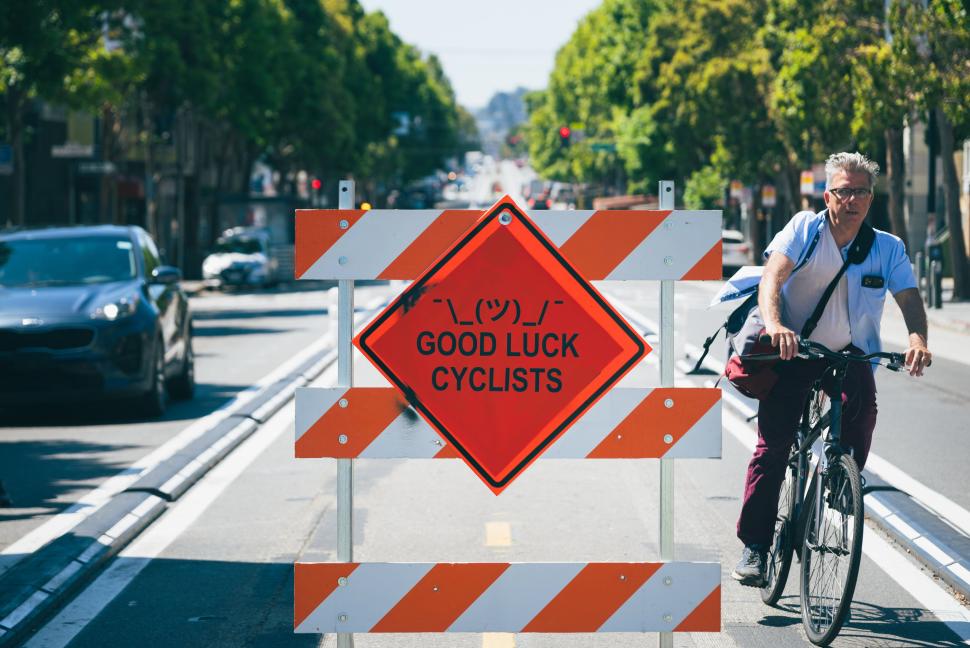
x=918, y=357
x=783, y=339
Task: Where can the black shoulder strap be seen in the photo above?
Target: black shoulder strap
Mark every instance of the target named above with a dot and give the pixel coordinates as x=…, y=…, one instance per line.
x=857, y=254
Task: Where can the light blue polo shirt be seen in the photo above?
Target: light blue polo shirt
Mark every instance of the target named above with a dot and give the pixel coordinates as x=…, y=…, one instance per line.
x=887, y=260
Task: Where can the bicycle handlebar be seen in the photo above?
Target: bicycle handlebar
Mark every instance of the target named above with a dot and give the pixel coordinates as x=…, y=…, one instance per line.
x=812, y=349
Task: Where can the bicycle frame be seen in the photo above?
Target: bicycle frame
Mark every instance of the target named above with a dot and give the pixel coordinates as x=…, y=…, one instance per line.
x=806, y=528
x=832, y=449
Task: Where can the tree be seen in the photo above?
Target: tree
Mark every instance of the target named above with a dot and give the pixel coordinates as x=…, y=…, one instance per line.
x=882, y=89
x=712, y=93
x=592, y=84
x=42, y=43
x=935, y=40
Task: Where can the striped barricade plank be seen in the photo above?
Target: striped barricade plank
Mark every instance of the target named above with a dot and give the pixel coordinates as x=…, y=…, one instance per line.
x=604, y=244
x=504, y=597
x=626, y=423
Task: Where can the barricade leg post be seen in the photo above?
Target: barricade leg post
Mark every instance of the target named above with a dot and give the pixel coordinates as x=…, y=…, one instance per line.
x=666, y=193
x=345, y=378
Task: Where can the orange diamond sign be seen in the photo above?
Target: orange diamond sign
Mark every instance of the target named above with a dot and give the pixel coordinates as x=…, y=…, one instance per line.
x=501, y=345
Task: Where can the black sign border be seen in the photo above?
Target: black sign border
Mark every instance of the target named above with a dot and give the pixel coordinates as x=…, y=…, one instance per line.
x=404, y=300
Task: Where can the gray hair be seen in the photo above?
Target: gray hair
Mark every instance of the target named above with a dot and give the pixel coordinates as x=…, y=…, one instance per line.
x=850, y=163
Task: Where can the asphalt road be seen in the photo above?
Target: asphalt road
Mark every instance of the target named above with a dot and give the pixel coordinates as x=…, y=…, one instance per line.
x=51, y=457
x=216, y=568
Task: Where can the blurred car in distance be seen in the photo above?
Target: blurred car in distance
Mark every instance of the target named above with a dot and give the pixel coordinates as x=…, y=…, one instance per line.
x=242, y=258
x=541, y=201
x=562, y=197
x=88, y=313
x=735, y=251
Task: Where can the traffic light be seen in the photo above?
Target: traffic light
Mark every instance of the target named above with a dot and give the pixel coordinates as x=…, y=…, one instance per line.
x=564, y=134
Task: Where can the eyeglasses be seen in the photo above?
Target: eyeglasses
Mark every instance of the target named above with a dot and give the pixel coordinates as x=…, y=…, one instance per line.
x=844, y=193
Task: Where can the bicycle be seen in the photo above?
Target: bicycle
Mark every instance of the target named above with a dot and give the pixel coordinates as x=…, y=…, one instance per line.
x=823, y=522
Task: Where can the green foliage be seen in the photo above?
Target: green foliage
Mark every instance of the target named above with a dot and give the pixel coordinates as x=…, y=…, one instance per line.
x=704, y=189
x=753, y=88
x=593, y=75
x=709, y=87
x=934, y=43
x=44, y=41
x=828, y=55
x=309, y=83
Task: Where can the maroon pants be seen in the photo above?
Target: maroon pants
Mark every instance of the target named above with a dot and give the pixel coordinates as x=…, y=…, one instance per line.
x=778, y=418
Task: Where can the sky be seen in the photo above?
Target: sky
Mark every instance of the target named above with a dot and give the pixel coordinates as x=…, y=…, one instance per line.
x=487, y=46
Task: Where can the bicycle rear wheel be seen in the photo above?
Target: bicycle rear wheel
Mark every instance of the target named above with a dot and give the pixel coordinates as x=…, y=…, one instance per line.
x=783, y=540
x=832, y=551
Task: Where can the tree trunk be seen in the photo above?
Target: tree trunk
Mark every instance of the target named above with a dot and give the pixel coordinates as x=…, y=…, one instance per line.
x=954, y=223
x=151, y=200
x=756, y=224
x=896, y=175
x=15, y=131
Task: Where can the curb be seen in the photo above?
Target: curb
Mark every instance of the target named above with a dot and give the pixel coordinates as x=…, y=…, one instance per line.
x=64, y=564
x=956, y=326
x=925, y=536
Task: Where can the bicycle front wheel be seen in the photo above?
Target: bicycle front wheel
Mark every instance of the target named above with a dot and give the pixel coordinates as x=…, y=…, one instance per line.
x=832, y=551
x=783, y=540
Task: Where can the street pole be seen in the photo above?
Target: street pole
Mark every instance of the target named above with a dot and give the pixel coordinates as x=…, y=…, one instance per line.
x=345, y=378
x=666, y=193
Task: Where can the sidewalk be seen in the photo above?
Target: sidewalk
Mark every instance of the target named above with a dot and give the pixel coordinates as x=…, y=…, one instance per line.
x=953, y=316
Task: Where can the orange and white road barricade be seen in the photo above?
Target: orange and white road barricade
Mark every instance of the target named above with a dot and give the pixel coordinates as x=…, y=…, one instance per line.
x=501, y=352
x=627, y=423
x=507, y=597
x=605, y=244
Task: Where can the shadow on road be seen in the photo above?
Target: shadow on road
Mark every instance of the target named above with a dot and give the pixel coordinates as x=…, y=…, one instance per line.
x=203, y=604
x=873, y=625
x=208, y=398
x=208, y=315
x=39, y=474
x=225, y=331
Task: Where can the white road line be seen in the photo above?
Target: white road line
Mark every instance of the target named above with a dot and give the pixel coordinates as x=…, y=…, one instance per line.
x=62, y=629
x=931, y=499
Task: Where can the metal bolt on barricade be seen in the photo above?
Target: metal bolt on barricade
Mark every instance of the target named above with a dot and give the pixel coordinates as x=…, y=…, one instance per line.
x=568, y=409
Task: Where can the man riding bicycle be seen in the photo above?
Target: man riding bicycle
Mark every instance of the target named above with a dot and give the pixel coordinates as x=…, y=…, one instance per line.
x=850, y=320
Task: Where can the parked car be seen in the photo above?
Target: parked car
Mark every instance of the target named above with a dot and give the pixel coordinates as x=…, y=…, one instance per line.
x=91, y=313
x=242, y=258
x=735, y=251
